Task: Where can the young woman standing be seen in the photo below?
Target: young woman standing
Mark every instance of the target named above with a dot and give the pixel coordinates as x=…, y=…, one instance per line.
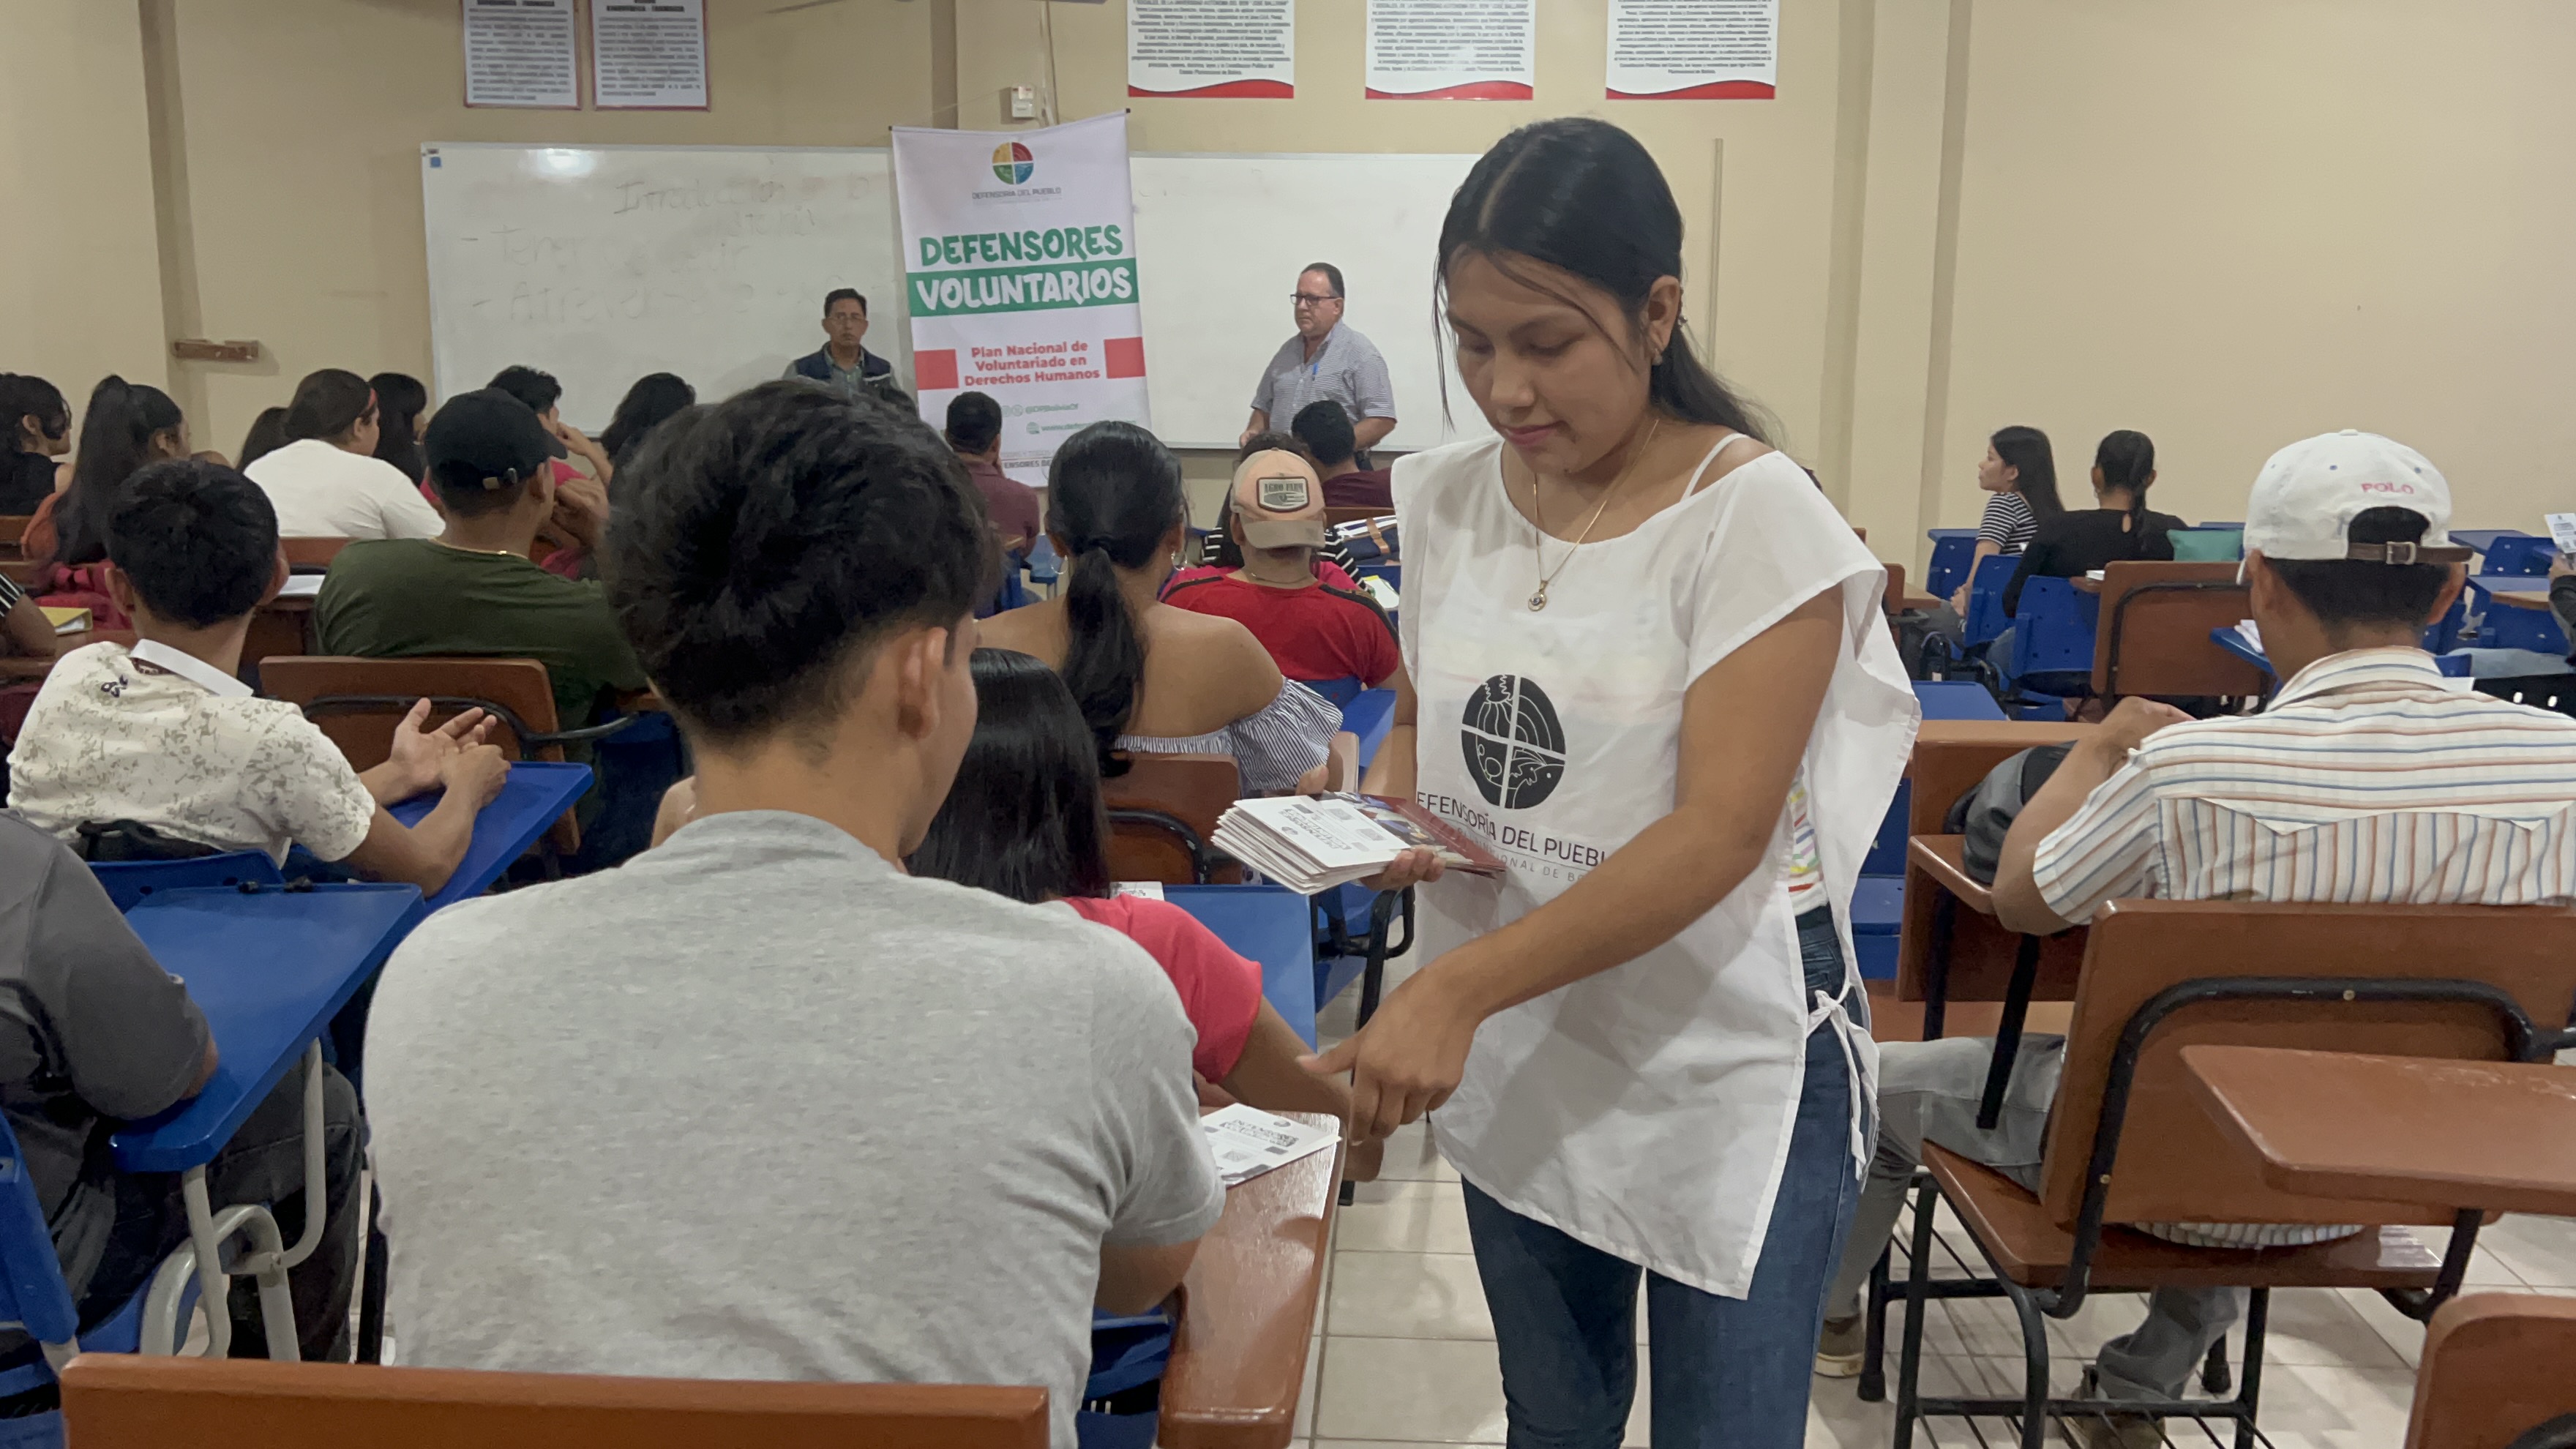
x=1654, y=677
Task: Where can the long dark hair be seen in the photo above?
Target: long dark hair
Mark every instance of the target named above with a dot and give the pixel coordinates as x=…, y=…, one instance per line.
x=267, y=434
x=1113, y=494
x=655, y=396
x=2026, y=451
x=1024, y=819
x=23, y=396
x=1583, y=196
x=117, y=429
x=2127, y=459
x=399, y=401
x=327, y=404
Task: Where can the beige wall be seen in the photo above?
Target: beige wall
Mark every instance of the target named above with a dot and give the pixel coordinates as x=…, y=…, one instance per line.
x=80, y=289
x=2228, y=225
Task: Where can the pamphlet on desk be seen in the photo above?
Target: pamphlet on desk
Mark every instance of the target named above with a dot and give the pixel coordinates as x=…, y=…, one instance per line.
x=1249, y=1142
x=2562, y=531
x=1311, y=844
x=66, y=621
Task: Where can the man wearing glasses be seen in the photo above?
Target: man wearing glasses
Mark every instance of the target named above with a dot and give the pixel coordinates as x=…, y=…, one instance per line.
x=1325, y=361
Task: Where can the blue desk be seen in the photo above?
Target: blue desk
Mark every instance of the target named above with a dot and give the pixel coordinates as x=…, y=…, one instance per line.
x=1272, y=925
x=2515, y=614
x=2481, y=539
x=1956, y=699
x=269, y=969
x=536, y=793
x=2226, y=637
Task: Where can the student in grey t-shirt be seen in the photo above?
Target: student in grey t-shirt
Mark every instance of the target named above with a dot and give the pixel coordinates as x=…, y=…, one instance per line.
x=758, y=1104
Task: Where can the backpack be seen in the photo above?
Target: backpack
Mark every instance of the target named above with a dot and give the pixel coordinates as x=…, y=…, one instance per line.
x=1929, y=640
x=1987, y=812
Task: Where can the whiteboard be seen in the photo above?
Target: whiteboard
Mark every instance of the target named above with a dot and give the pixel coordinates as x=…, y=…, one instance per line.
x=1219, y=241
x=602, y=263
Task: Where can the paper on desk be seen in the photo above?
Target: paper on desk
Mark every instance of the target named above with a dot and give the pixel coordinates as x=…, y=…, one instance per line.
x=2562, y=531
x=301, y=586
x=1249, y=1142
x=2251, y=633
x=1151, y=890
x=2094, y=574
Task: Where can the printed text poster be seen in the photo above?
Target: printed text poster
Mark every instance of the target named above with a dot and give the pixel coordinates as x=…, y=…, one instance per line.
x=1019, y=257
x=520, y=53
x=1694, y=50
x=1227, y=49
x=648, y=55
x=1452, y=50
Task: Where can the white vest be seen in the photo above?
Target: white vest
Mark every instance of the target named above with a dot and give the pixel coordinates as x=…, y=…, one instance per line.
x=1646, y=1110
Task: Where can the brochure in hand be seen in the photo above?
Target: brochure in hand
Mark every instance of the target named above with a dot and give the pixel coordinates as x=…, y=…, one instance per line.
x=1311, y=844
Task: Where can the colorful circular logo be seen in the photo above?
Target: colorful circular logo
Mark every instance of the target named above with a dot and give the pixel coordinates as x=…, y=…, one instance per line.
x=1014, y=163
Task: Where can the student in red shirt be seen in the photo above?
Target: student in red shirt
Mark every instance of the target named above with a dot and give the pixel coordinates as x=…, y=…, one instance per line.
x=1025, y=820
x=1314, y=630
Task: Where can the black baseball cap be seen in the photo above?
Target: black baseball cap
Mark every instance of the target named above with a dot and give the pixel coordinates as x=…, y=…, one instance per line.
x=487, y=434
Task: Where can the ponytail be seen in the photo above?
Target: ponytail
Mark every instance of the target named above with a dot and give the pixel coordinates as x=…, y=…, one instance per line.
x=117, y=429
x=2128, y=460
x=1113, y=495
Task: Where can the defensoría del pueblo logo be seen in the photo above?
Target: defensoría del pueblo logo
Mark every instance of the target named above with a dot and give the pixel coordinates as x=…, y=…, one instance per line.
x=1014, y=163
x=1515, y=745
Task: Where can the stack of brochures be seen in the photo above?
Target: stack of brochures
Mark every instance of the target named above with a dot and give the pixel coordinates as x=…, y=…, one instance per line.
x=1314, y=843
x=1248, y=1142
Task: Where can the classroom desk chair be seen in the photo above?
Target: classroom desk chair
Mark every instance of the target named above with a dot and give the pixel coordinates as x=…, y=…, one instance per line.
x=357, y=702
x=2514, y=613
x=2053, y=641
x=246, y=1404
x=2540, y=691
x=2496, y=1375
x=311, y=555
x=2510, y=554
x=1163, y=813
x=2128, y=1141
x=1248, y=1309
x=1986, y=616
x=1952, y=548
x=2154, y=633
x=130, y=882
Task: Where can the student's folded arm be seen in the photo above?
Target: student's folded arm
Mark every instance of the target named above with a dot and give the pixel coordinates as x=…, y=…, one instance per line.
x=24, y=629
x=424, y=855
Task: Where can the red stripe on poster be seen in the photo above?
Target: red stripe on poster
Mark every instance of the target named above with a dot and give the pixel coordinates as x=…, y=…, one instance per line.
x=1122, y=356
x=1738, y=90
x=935, y=370
x=1266, y=90
x=1472, y=91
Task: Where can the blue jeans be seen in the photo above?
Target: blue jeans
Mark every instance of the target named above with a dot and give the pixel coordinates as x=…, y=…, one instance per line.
x=1727, y=1371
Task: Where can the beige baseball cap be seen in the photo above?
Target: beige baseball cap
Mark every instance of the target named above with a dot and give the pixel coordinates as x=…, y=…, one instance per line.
x=1279, y=500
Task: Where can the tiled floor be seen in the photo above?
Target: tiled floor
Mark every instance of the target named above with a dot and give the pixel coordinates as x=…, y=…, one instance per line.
x=1405, y=1352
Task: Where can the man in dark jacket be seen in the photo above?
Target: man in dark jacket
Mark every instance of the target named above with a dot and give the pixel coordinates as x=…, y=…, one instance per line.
x=841, y=362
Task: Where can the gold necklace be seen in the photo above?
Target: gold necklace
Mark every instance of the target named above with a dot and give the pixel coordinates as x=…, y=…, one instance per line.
x=1538, y=526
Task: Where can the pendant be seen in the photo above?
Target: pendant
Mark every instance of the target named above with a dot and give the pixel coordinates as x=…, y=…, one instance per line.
x=1538, y=598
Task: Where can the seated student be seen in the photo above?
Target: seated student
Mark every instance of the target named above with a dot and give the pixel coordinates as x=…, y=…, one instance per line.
x=471, y=590
x=126, y=426
x=1326, y=431
x=2118, y=527
x=2364, y=781
x=975, y=431
x=581, y=499
x=1151, y=678
x=265, y=435
x=97, y=1035
x=164, y=735
x=1025, y=820
x=652, y=398
x=35, y=432
x=859, y=1125
x=2019, y=477
x=400, y=400
x=326, y=481
x=1274, y=515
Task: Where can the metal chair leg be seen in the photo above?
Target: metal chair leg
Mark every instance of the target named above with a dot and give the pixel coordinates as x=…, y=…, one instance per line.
x=2034, y=1369
x=1873, y=1349
x=2258, y=1312
x=1918, y=1284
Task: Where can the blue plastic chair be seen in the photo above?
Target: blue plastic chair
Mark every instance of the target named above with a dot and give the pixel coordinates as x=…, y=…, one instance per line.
x=2516, y=555
x=129, y=881
x=1986, y=616
x=34, y=1297
x=1339, y=691
x=1952, y=548
x=2052, y=640
x=2444, y=634
x=2507, y=627
x=1044, y=566
x=1127, y=1353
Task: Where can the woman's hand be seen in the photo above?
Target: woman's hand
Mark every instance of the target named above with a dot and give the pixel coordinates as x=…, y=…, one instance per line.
x=1409, y=1057
x=1407, y=871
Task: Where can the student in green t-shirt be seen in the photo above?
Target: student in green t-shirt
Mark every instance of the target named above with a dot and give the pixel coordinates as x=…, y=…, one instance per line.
x=472, y=590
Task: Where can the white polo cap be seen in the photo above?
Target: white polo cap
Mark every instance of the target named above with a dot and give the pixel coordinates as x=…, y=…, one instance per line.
x=2309, y=492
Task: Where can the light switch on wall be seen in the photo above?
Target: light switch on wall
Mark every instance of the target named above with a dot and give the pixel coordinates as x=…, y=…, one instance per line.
x=1023, y=102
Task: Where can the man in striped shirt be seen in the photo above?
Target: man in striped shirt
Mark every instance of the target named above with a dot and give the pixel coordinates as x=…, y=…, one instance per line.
x=2368, y=779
